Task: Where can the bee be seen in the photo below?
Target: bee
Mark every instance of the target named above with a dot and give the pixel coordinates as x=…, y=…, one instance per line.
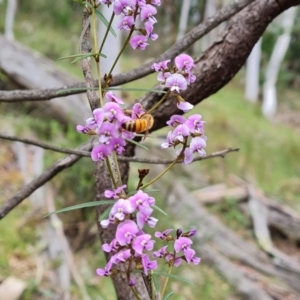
x=143, y=123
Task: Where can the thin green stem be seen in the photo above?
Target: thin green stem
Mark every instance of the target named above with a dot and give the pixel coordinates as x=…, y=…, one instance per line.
x=166, y=281
x=135, y=293
x=152, y=287
x=111, y=173
x=159, y=102
x=107, y=31
x=121, y=51
x=162, y=173
x=97, y=58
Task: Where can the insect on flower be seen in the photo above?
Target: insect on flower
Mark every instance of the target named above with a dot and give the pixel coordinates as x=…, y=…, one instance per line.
x=143, y=123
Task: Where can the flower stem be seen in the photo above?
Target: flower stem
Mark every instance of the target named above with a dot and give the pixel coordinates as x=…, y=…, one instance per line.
x=159, y=102
x=135, y=293
x=120, y=53
x=162, y=173
x=97, y=58
x=166, y=281
x=106, y=33
x=111, y=161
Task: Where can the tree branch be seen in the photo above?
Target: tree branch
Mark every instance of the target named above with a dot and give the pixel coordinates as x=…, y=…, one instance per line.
x=43, y=145
x=47, y=175
x=142, y=71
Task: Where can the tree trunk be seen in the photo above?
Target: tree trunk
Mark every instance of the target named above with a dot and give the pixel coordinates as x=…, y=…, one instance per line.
x=269, y=90
x=252, y=73
x=184, y=18
x=10, y=19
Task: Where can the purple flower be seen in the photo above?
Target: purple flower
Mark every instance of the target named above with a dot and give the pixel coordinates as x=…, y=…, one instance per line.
x=197, y=144
x=121, y=256
x=113, y=246
x=195, y=125
x=99, y=115
x=161, y=252
x=176, y=120
x=143, y=242
x=169, y=142
x=164, y=235
x=184, y=62
x=190, y=78
x=149, y=29
x=113, y=112
x=106, y=271
x=180, y=133
x=118, y=145
x=131, y=282
x=184, y=106
x=191, y=258
x=99, y=152
x=141, y=200
x=112, y=97
x=176, y=82
x=126, y=231
x=138, y=42
x=147, y=13
x=106, y=132
x=144, y=216
x=162, y=66
x=147, y=264
x=163, y=76
x=120, y=209
x=188, y=155
x=89, y=128
x=190, y=233
x=155, y=2
x=115, y=194
x=182, y=244
x=123, y=6
x=126, y=23
x=137, y=110
x=176, y=262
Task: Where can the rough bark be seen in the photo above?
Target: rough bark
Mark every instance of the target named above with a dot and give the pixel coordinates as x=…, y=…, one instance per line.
x=103, y=182
x=225, y=57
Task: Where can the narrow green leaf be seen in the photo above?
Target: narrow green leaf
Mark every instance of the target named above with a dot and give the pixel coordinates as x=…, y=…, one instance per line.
x=84, y=55
x=134, y=90
x=151, y=190
x=78, y=206
x=168, y=296
x=155, y=282
x=81, y=58
x=137, y=144
x=160, y=210
x=105, y=22
x=172, y=276
x=105, y=213
x=75, y=89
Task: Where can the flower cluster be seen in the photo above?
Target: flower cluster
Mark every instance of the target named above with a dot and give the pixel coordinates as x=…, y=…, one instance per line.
x=107, y=124
x=130, y=10
x=192, y=127
x=178, y=78
x=131, y=243
x=182, y=248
